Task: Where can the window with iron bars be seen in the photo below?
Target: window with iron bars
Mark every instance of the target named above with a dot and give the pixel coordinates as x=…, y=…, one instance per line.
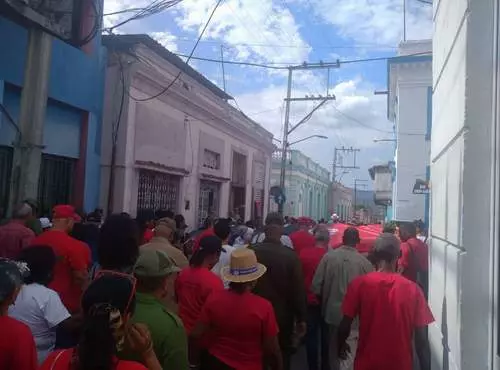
x=157, y=191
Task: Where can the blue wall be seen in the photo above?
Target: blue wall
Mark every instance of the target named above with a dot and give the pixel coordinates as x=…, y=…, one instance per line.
x=76, y=86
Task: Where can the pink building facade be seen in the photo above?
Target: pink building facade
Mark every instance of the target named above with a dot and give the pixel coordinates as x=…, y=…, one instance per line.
x=187, y=149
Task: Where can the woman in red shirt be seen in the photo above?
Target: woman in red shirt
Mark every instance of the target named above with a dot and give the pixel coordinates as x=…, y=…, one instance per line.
x=107, y=305
x=197, y=282
x=241, y=325
x=17, y=346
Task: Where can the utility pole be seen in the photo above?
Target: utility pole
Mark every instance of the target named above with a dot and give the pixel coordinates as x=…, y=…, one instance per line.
x=335, y=166
x=356, y=181
x=223, y=69
x=288, y=100
x=28, y=147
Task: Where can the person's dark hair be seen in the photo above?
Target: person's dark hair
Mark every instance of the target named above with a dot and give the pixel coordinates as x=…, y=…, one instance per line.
x=180, y=221
x=239, y=288
x=390, y=228
x=97, y=348
x=41, y=260
x=222, y=228
x=351, y=236
x=250, y=224
x=419, y=224
x=208, y=222
x=274, y=218
x=164, y=213
x=407, y=230
x=118, y=242
x=149, y=284
x=209, y=245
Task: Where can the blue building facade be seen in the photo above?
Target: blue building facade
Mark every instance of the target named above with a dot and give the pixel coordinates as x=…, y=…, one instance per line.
x=70, y=170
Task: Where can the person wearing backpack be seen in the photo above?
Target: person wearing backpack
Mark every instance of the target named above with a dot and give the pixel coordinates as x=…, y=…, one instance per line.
x=414, y=261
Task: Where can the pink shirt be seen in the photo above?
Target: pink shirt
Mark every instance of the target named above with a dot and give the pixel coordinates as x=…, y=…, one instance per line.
x=14, y=237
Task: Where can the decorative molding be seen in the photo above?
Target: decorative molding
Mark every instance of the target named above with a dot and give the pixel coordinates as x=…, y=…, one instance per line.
x=154, y=166
x=205, y=176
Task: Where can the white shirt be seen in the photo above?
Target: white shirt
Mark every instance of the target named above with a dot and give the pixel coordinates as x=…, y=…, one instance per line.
x=224, y=260
x=42, y=310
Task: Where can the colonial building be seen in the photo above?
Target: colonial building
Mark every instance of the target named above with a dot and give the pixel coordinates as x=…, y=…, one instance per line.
x=69, y=139
x=306, y=186
x=179, y=144
x=341, y=201
x=382, y=177
x=410, y=108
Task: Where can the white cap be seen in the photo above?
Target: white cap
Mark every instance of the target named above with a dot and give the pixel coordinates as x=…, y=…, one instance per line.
x=45, y=222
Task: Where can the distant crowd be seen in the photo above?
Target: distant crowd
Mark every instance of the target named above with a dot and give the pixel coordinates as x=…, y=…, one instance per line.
x=84, y=292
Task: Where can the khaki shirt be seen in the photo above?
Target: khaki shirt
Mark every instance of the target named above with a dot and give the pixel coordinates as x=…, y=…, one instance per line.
x=334, y=273
x=179, y=259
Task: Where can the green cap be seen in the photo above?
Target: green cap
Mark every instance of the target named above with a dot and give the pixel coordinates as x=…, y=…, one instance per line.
x=154, y=263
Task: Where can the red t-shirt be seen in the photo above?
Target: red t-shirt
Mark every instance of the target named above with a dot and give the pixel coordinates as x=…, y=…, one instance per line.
x=72, y=255
x=302, y=239
x=17, y=346
x=414, y=259
x=148, y=235
x=389, y=308
x=208, y=232
x=238, y=324
x=310, y=259
x=192, y=288
x=63, y=362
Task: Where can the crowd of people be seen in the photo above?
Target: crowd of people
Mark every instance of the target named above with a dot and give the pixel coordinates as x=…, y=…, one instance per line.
x=88, y=293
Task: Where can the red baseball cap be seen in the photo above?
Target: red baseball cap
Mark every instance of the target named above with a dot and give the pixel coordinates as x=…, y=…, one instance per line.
x=65, y=211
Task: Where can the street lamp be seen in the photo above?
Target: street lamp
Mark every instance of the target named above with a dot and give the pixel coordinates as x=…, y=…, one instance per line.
x=307, y=138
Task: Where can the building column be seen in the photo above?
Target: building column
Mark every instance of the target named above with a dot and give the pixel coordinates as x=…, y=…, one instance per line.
x=249, y=180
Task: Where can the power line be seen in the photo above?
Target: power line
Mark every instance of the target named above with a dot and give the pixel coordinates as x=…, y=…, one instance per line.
x=425, y=2
x=284, y=66
x=189, y=57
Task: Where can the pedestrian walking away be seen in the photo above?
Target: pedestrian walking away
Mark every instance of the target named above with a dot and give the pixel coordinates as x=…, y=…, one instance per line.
x=155, y=271
x=283, y=286
x=108, y=305
x=38, y=306
x=310, y=259
x=15, y=235
x=17, y=347
x=334, y=273
x=391, y=309
x=222, y=230
x=241, y=326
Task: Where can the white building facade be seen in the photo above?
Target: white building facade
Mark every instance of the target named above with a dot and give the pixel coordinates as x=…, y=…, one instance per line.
x=187, y=149
x=465, y=186
x=307, y=185
x=410, y=108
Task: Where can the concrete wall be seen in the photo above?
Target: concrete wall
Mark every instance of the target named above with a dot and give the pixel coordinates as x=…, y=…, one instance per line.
x=75, y=101
x=463, y=155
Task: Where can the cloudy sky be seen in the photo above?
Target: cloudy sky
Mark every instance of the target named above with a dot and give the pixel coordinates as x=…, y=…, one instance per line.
x=288, y=32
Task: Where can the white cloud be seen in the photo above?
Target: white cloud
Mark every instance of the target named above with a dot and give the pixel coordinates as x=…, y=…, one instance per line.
x=249, y=27
x=360, y=111
x=166, y=39
x=376, y=21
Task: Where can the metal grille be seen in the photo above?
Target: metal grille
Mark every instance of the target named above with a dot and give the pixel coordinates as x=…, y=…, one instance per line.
x=55, y=185
x=208, y=204
x=157, y=191
x=5, y=175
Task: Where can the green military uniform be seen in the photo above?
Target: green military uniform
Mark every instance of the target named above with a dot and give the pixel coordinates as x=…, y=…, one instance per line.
x=167, y=331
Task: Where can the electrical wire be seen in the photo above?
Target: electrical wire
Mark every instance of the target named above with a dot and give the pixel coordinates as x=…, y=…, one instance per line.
x=189, y=57
x=7, y=115
x=284, y=66
x=425, y=2
x=156, y=7
x=95, y=27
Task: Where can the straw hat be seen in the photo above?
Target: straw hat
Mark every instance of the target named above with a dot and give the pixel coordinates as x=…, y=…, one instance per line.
x=243, y=267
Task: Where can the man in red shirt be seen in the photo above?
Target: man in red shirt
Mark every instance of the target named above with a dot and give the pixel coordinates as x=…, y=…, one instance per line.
x=310, y=259
x=391, y=310
x=413, y=263
x=302, y=238
x=73, y=257
x=15, y=236
x=207, y=231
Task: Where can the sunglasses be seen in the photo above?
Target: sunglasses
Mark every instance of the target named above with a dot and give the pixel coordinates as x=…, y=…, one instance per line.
x=129, y=277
